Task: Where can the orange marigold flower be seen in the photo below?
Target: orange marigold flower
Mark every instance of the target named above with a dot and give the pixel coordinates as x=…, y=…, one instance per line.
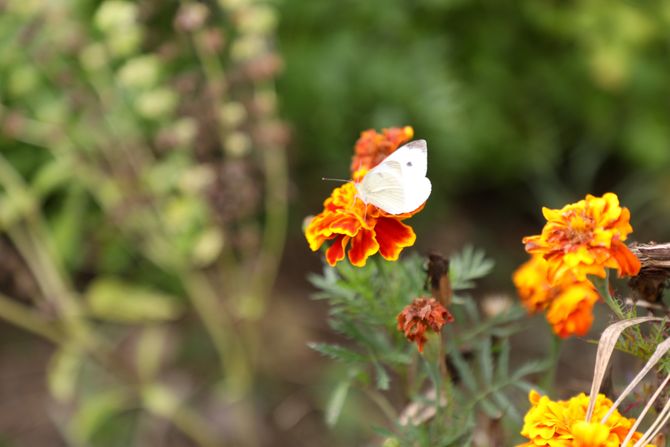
x=571, y=312
x=531, y=283
x=346, y=219
x=562, y=423
x=372, y=147
x=585, y=238
x=422, y=314
x=569, y=303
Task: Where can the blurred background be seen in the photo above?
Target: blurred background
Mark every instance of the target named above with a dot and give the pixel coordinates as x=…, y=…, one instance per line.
x=157, y=160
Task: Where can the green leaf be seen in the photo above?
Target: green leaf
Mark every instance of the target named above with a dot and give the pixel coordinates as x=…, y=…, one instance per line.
x=69, y=225
x=150, y=350
x=115, y=300
x=336, y=402
x=51, y=176
x=383, y=379
x=490, y=409
x=464, y=371
x=63, y=373
x=95, y=410
x=338, y=352
x=468, y=265
x=502, y=369
x=486, y=360
x=506, y=406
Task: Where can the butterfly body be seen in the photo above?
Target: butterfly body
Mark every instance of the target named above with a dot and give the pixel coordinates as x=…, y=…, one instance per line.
x=398, y=184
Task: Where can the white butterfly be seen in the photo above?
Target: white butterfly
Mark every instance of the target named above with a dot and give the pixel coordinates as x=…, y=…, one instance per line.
x=398, y=184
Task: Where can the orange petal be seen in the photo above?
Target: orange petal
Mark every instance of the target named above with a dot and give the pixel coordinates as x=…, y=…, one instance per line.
x=363, y=245
x=628, y=262
x=392, y=236
x=345, y=224
x=335, y=252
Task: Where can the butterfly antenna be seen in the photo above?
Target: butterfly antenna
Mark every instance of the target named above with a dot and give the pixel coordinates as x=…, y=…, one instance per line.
x=329, y=179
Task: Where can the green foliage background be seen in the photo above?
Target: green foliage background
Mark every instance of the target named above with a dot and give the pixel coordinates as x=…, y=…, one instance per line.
x=563, y=97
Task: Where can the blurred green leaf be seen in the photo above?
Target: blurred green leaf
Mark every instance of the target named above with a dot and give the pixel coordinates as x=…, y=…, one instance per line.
x=115, y=300
x=95, y=410
x=160, y=400
x=468, y=265
x=51, y=176
x=68, y=225
x=63, y=372
x=336, y=402
x=150, y=351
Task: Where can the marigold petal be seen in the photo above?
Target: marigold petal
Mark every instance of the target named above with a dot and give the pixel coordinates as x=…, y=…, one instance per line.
x=363, y=245
x=629, y=264
x=571, y=312
x=583, y=238
x=345, y=224
x=335, y=252
x=392, y=236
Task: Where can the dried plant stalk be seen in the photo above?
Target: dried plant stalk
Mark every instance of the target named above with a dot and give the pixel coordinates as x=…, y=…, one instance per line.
x=606, y=346
x=660, y=351
x=646, y=408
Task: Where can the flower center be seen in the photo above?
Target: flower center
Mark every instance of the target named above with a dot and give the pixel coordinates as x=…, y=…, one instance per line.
x=579, y=230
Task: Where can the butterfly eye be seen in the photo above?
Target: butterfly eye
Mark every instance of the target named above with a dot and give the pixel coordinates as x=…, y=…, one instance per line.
x=409, y=163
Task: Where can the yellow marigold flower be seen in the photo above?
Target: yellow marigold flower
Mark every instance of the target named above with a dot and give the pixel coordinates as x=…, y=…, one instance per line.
x=569, y=303
x=592, y=434
x=563, y=423
x=585, y=238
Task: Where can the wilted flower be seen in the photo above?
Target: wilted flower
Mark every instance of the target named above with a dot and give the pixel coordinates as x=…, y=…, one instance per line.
x=420, y=315
x=346, y=219
x=568, y=302
x=563, y=423
x=585, y=238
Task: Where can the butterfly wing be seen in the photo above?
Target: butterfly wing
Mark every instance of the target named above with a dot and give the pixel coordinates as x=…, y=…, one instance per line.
x=398, y=184
x=412, y=157
x=383, y=188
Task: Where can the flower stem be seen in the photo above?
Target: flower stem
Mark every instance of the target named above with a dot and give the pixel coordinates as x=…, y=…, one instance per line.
x=22, y=317
x=602, y=286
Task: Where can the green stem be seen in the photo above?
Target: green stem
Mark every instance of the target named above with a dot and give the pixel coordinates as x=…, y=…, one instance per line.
x=220, y=327
x=22, y=317
x=602, y=286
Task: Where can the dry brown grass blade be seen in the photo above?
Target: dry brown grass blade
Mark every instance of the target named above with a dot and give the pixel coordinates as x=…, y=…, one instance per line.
x=658, y=424
x=660, y=351
x=606, y=346
x=644, y=411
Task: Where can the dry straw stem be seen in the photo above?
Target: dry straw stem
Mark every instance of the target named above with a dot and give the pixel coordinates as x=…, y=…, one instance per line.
x=606, y=346
x=605, y=349
x=653, y=256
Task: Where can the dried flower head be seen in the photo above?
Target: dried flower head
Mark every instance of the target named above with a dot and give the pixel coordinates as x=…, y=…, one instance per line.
x=420, y=315
x=585, y=238
x=562, y=423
